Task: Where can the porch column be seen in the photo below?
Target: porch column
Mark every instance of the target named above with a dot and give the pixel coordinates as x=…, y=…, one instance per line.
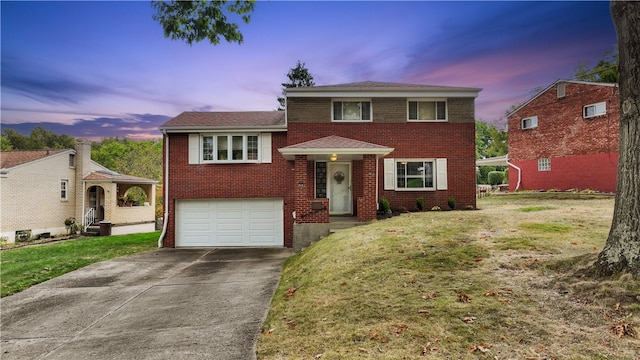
x=300, y=168
x=367, y=203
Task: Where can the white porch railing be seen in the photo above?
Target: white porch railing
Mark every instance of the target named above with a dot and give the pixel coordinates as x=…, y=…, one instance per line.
x=90, y=217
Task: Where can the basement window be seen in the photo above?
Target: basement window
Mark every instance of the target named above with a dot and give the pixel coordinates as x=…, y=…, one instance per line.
x=544, y=164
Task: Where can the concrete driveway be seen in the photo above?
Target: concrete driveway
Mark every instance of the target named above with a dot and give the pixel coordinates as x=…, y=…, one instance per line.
x=166, y=304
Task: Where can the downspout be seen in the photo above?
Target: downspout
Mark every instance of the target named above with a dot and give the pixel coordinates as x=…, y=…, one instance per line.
x=519, y=173
x=165, y=185
x=82, y=213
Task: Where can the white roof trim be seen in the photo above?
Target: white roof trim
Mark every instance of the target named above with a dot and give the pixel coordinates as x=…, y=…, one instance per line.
x=372, y=94
x=290, y=154
x=214, y=129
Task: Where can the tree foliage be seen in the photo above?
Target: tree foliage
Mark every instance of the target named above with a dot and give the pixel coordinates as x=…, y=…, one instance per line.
x=194, y=21
x=490, y=141
x=605, y=70
x=621, y=252
x=299, y=76
x=39, y=139
x=131, y=157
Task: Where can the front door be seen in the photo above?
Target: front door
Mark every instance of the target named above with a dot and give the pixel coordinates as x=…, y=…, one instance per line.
x=339, y=181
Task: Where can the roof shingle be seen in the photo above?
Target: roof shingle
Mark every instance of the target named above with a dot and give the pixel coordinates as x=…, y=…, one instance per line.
x=226, y=119
x=9, y=159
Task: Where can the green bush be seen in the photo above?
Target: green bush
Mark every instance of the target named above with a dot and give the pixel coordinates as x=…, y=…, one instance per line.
x=452, y=203
x=420, y=203
x=385, y=205
x=496, y=177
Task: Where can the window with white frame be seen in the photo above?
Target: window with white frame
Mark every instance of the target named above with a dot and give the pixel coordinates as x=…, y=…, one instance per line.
x=529, y=122
x=351, y=110
x=594, y=110
x=230, y=148
x=64, y=190
x=544, y=164
x=415, y=174
x=427, y=110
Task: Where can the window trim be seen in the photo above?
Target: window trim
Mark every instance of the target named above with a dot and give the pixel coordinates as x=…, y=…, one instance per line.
x=64, y=190
x=354, y=100
x=229, y=136
x=433, y=174
x=595, y=107
x=434, y=100
x=531, y=126
x=544, y=164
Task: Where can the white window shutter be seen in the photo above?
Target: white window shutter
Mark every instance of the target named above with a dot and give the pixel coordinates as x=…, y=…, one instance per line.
x=441, y=174
x=266, y=147
x=389, y=174
x=194, y=148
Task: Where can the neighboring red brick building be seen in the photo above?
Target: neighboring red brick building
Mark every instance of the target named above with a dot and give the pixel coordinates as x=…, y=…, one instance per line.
x=274, y=178
x=566, y=137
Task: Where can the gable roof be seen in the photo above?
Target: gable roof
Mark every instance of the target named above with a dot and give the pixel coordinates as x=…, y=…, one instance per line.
x=9, y=159
x=333, y=145
x=554, y=84
x=236, y=120
x=375, y=88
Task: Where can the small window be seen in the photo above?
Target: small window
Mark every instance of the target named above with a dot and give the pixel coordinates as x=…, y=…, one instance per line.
x=72, y=160
x=229, y=148
x=530, y=122
x=352, y=111
x=64, y=190
x=427, y=110
x=594, y=110
x=544, y=164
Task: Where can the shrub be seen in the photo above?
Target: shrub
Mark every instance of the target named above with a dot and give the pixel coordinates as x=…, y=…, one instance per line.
x=452, y=203
x=385, y=205
x=436, y=208
x=420, y=203
x=496, y=177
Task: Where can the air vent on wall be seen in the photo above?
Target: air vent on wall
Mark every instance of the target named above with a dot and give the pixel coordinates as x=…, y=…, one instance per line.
x=561, y=89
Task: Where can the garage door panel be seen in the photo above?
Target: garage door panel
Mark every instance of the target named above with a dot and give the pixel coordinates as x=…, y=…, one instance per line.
x=229, y=222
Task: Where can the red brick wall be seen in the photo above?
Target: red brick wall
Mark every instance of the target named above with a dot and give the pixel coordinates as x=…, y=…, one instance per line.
x=454, y=141
x=592, y=171
x=209, y=181
x=563, y=134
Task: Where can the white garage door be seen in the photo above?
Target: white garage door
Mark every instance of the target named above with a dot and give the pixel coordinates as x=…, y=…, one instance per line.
x=229, y=222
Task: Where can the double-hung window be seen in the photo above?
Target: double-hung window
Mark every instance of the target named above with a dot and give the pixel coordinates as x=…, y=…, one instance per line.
x=530, y=122
x=64, y=190
x=415, y=174
x=238, y=148
x=427, y=110
x=351, y=110
x=594, y=110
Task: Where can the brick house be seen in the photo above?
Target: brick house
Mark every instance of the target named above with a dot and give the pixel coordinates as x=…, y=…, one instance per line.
x=278, y=178
x=566, y=137
x=39, y=189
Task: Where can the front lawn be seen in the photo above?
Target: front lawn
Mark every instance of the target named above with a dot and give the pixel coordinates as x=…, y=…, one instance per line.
x=23, y=267
x=498, y=283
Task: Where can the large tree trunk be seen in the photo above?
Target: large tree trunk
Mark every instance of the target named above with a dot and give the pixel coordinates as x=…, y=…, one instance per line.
x=622, y=250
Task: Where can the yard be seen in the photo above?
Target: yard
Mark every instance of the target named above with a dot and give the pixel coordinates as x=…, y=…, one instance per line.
x=27, y=266
x=506, y=281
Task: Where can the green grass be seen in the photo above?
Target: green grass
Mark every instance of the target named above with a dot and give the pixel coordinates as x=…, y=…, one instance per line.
x=23, y=267
x=535, y=208
x=393, y=289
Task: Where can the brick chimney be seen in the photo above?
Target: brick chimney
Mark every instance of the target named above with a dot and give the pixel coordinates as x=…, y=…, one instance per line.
x=83, y=168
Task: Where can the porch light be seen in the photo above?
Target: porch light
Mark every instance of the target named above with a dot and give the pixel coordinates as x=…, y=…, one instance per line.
x=333, y=157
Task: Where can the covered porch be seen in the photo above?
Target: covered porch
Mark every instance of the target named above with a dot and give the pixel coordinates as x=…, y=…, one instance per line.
x=126, y=203
x=334, y=177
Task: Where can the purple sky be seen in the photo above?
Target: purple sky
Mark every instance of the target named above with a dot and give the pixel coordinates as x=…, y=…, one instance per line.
x=95, y=69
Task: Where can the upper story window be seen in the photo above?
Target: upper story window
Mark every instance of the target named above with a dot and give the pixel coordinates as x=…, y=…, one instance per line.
x=530, y=122
x=64, y=190
x=427, y=110
x=594, y=110
x=72, y=160
x=230, y=148
x=351, y=110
